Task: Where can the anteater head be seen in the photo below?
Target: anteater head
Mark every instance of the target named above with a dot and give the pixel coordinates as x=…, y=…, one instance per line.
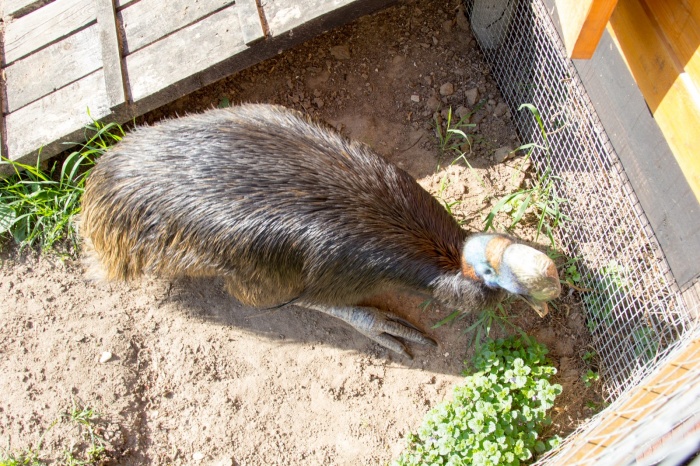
x=500, y=262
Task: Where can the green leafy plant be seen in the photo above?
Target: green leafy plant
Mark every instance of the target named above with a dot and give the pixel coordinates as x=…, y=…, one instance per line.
x=497, y=414
x=37, y=205
x=454, y=136
x=646, y=342
x=610, y=287
x=448, y=204
x=26, y=458
x=490, y=317
x=88, y=448
x=590, y=377
x=540, y=199
x=589, y=356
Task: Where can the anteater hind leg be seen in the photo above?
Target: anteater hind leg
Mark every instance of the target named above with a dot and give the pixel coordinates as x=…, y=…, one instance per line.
x=261, y=292
x=377, y=325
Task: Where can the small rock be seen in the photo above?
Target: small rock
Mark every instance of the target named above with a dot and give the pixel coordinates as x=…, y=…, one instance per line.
x=224, y=462
x=104, y=357
x=502, y=154
x=341, y=52
x=447, y=89
x=447, y=26
x=461, y=111
x=501, y=109
x=564, y=347
x=198, y=456
x=415, y=98
x=461, y=18
x=472, y=96
x=433, y=103
x=318, y=102
x=478, y=116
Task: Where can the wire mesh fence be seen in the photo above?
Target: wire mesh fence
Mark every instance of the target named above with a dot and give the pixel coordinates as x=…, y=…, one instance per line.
x=657, y=421
x=646, y=337
x=635, y=311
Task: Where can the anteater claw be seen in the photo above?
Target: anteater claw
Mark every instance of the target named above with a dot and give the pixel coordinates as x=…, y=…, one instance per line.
x=382, y=327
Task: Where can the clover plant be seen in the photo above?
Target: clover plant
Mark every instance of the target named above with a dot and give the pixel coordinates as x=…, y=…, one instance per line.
x=497, y=414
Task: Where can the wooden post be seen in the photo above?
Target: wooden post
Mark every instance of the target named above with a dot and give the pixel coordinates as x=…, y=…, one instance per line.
x=583, y=23
x=115, y=84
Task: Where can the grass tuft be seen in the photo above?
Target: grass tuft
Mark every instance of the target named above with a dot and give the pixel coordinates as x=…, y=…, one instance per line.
x=540, y=199
x=38, y=205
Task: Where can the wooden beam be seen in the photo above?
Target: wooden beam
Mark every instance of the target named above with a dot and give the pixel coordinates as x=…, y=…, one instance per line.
x=111, y=53
x=251, y=22
x=583, y=23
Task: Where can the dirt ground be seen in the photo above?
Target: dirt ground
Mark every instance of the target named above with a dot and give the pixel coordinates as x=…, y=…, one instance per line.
x=193, y=377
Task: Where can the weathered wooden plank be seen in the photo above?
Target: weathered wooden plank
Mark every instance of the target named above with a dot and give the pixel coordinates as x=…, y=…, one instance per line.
x=251, y=23
x=189, y=51
x=19, y=8
x=52, y=118
x=149, y=20
x=111, y=52
x=57, y=65
x=283, y=16
x=45, y=26
x=583, y=23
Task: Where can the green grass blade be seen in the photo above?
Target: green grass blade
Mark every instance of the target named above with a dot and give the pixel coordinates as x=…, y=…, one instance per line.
x=521, y=211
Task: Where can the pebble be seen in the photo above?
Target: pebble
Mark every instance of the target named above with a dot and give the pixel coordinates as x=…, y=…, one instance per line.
x=415, y=98
x=104, y=357
x=224, y=462
x=198, y=456
x=447, y=26
x=502, y=154
x=501, y=109
x=433, y=103
x=461, y=111
x=472, y=96
x=341, y=52
x=447, y=89
x=462, y=21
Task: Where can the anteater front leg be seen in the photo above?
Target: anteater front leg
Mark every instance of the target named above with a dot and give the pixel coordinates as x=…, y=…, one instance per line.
x=380, y=326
